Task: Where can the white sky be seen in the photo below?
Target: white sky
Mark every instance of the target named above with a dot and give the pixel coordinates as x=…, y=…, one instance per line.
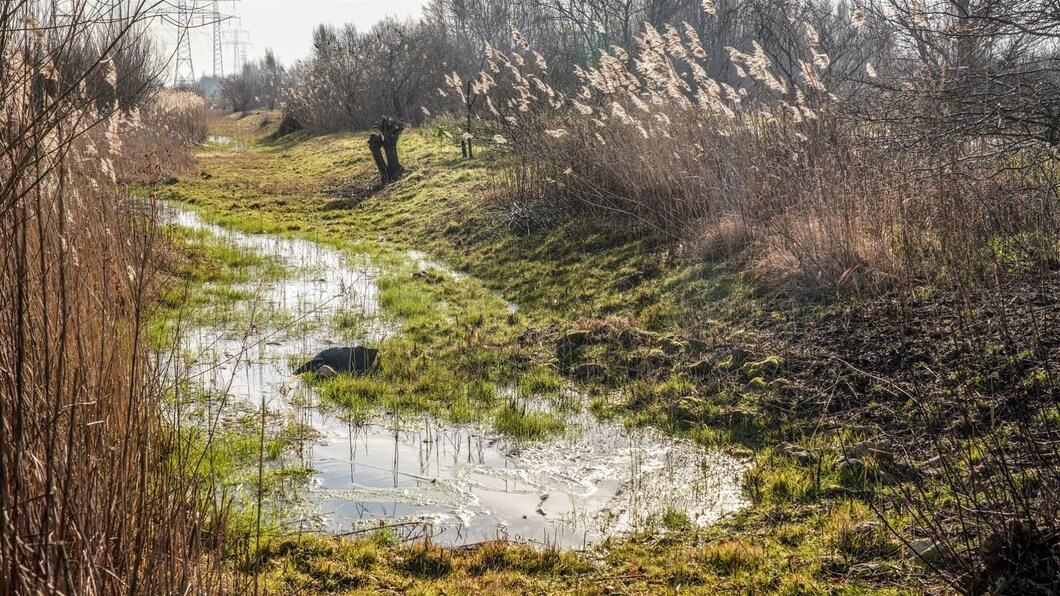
x=286, y=26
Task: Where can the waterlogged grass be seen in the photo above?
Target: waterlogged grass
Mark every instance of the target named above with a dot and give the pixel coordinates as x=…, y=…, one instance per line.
x=459, y=325
x=230, y=454
x=542, y=380
x=207, y=258
x=456, y=340
x=650, y=325
x=225, y=452
x=209, y=282
x=518, y=421
x=403, y=382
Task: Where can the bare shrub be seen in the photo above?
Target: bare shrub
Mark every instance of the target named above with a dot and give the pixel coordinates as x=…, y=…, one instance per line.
x=354, y=78
x=259, y=85
x=984, y=501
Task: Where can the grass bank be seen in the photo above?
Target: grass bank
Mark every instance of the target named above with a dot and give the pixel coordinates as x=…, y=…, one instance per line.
x=648, y=333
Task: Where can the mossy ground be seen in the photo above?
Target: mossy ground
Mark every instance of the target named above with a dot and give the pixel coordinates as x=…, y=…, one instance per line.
x=647, y=335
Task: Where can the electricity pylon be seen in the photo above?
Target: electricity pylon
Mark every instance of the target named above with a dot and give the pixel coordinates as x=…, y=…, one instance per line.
x=184, y=72
x=189, y=14
x=218, y=56
x=237, y=39
x=218, y=38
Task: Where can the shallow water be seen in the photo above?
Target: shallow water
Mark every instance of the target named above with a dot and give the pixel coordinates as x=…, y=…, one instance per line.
x=418, y=474
x=226, y=143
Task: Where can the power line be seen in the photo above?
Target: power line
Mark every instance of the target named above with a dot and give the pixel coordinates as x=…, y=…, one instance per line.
x=184, y=15
x=189, y=14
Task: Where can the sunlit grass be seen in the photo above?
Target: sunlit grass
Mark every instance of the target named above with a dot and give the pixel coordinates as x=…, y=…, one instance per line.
x=518, y=421
x=457, y=352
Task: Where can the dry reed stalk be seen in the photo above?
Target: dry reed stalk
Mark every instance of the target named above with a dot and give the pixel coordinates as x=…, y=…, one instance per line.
x=91, y=498
x=827, y=203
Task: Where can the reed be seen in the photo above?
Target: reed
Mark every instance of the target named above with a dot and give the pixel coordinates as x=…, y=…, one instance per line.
x=777, y=174
x=89, y=501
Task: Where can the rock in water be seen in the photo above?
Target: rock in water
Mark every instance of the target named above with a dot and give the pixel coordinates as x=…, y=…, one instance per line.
x=342, y=360
x=326, y=372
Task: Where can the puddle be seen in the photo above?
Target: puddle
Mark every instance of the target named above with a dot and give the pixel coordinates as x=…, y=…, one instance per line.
x=419, y=475
x=227, y=143
x=469, y=485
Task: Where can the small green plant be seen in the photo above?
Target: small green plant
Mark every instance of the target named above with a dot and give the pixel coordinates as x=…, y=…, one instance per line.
x=519, y=422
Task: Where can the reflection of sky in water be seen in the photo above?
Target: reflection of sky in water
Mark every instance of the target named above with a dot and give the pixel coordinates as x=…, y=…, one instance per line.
x=467, y=483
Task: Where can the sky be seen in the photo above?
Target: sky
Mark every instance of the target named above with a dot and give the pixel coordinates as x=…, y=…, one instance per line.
x=285, y=26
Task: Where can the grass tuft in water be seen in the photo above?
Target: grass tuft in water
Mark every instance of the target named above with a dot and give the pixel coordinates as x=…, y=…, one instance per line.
x=519, y=422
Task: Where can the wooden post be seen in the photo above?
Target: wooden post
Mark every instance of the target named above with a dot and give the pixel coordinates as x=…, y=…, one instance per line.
x=469, y=153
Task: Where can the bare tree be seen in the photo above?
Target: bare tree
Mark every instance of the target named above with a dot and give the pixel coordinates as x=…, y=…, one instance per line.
x=975, y=68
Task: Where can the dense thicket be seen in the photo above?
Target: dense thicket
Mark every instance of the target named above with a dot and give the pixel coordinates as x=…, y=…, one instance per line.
x=832, y=144
x=861, y=144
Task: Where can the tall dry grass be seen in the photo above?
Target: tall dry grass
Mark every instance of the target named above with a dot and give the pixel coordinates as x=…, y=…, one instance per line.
x=777, y=175
x=89, y=501
x=155, y=137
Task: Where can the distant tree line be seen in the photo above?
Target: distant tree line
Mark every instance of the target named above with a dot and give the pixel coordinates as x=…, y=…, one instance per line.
x=353, y=77
x=258, y=85
x=992, y=63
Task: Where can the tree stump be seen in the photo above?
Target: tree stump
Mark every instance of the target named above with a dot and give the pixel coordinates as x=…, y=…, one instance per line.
x=383, y=146
x=391, y=129
x=375, y=145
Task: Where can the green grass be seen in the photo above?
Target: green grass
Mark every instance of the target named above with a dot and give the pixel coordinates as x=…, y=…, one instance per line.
x=647, y=321
x=438, y=208
x=456, y=339
x=207, y=282
x=226, y=456
x=517, y=421
x=542, y=380
x=784, y=561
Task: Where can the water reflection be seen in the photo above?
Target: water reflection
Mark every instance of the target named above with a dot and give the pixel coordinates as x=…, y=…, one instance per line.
x=416, y=474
